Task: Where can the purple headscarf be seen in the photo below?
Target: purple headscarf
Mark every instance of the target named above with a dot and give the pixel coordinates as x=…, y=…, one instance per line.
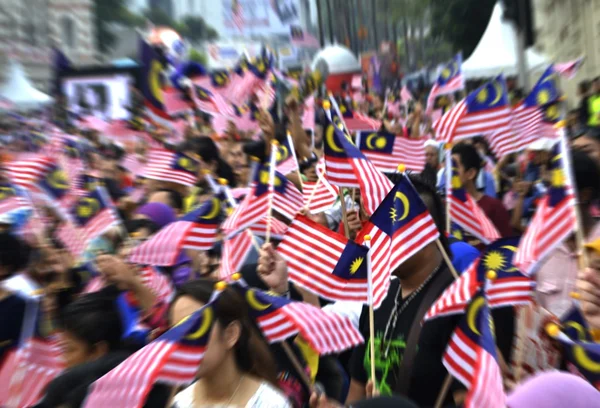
x=554, y=389
x=159, y=213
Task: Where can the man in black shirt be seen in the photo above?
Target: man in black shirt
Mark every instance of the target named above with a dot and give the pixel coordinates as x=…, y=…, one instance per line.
x=414, y=367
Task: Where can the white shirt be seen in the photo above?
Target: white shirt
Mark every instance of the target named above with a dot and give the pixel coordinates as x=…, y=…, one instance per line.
x=266, y=396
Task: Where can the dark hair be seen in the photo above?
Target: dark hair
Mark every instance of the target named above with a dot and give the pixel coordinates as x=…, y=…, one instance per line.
x=14, y=253
x=94, y=318
x=175, y=197
x=431, y=199
x=584, y=86
x=206, y=148
x=586, y=173
x=469, y=157
x=251, y=352
x=138, y=224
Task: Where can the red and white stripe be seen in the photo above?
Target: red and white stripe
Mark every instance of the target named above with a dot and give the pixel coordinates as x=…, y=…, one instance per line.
x=322, y=199
x=312, y=252
x=76, y=239
x=13, y=203
x=405, y=94
x=410, y=239
x=278, y=228
x=477, y=369
x=163, y=248
x=158, y=283
x=235, y=252
x=160, y=167
x=237, y=14
x=549, y=227
x=410, y=152
x=495, y=124
x=288, y=202
x=380, y=253
x=501, y=292
x=374, y=185
x=250, y=211
x=472, y=218
x=326, y=332
x=360, y=121
x=29, y=173
x=455, y=84
x=27, y=371
x=569, y=69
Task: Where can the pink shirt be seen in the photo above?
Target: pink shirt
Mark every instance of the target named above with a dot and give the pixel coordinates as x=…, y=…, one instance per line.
x=557, y=277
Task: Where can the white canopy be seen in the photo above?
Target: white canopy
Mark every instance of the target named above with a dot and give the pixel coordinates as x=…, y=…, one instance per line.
x=335, y=59
x=496, y=52
x=18, y=90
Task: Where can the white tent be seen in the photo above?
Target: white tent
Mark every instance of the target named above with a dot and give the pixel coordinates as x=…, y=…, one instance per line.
x=18, y=90
x=496, y=52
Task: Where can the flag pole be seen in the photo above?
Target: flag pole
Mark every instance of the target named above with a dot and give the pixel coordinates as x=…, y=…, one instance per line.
x=297, y=366
x=293, y=152
x=444, y=391
x=274, y=145
x=344, y=213
x=367, y=240
x=448, y=158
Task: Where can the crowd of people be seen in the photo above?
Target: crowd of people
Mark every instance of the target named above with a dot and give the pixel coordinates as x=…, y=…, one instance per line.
x=240, y=367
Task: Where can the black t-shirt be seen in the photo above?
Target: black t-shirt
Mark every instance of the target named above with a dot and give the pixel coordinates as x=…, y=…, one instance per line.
x=12, y=312
x=428, y=372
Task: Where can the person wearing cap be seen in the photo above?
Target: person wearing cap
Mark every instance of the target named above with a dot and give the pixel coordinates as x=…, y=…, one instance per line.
x=594, y=105
x=557, y=274
x=589, y=142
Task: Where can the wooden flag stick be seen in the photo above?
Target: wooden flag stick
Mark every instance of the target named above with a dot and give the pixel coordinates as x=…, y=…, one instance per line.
x=297, y=366
x=446, y=258
x=444, y=391
x=367, y=239
x=312, y=194
x=344, y=213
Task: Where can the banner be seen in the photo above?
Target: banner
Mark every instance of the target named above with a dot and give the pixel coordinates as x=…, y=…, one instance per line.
x=261, y=17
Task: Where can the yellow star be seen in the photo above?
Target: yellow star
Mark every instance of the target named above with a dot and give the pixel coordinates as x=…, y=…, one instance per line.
x=393, y=214
x=494, y=261
x=380, y=142
x=543, y=97
x=356, y=264
x=445, y=73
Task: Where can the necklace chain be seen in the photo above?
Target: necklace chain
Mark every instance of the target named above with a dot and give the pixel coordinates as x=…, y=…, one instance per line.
x=390, y=326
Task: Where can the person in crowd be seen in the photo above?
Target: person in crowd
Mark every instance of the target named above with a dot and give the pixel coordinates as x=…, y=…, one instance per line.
x=237, y=368
x=238, y=161
x=469, y=165
x=90, y=337
x=588, y=288
x=594, y=104
x=556, y=278
x=589, y=142
x=583, y=92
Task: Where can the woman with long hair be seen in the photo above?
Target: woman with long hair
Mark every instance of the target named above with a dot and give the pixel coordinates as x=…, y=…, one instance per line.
x=237, y=369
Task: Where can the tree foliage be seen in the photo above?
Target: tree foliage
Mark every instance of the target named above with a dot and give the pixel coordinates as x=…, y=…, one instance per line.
x=108, y=12
x=196, y=29
x=461, y=22
x=198, y=56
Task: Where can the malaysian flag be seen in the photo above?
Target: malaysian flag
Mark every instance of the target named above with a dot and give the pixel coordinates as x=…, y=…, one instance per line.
x=352, y=120
x=251, y=210
x=166, y=165
x=581, y=351
x=450, y=80
x=528, y=121
x=386, y=151
x=286, y=157
x=400, y=227
x=471, y=356
x=319, y=195
x=171, y=359
x=207, y=99
x=91, y=216
x=197, y=230
x=237, y=14
x=405, y=95
x=509, y=288
x=569, y=69
x=485, y=111
x=287, y=200
x=346, y=166
x=277, y=231
x=13, y=199
x=29, y=173
x=235, y=252
x=554, y=219
x=324, y=262
x=152, y=84
x=280, y=318
x=463, y=209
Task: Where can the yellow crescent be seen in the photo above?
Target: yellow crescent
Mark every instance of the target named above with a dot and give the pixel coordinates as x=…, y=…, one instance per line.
x=330, y=141
x=282, y=153
x=369, y=141
x=402, y=197
x=512, y=249
x=254, y=303
x=207, y=318
x=154, y=81
x=58, y=179
x=579, y=352
x=6, y=192
x=215, y=208
x=472, y=314
x=499, y=91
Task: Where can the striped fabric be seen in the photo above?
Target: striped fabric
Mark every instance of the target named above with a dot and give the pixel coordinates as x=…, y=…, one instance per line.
x=235, y=252
x=165, y=165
